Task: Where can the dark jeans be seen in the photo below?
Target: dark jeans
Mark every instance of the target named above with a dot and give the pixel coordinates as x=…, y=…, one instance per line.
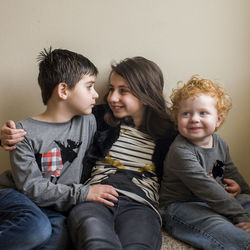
x=59, y=238
x=24, y=226
x=127, y=225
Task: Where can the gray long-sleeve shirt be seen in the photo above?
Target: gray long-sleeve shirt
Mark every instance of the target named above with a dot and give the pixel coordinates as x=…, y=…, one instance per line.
x=47, y=165
x=195, y=173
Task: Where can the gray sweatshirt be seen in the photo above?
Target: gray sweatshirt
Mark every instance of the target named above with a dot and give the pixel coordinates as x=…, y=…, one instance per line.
x=194, y=173
x=47, y=164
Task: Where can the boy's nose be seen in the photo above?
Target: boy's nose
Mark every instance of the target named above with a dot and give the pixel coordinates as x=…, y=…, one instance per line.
x=95, y=94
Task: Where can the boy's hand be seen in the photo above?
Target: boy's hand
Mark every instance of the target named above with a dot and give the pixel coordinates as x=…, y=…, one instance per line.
x=10, y=135
x=244, y=225
x=103, y=194
x=233, y=188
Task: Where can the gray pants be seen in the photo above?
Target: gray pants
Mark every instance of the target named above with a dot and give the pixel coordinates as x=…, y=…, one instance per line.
x=127, y=225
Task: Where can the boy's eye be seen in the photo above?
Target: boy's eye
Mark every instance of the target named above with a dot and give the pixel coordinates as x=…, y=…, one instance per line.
x=203, y=113
x=90, y=86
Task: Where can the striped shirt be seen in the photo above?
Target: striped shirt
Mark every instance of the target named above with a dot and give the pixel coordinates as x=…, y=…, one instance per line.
x=129, y=168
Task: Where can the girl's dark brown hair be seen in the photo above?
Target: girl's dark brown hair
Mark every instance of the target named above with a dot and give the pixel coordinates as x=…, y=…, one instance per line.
x=145, y=80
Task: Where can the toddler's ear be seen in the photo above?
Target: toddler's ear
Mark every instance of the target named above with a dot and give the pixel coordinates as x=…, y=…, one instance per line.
x=219, y=120
x=62, y=90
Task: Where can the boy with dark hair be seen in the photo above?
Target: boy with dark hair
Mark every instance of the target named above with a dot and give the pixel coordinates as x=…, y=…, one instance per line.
x=47, y=165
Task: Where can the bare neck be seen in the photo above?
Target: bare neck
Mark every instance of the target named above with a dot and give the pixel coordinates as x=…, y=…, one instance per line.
x=55, y=112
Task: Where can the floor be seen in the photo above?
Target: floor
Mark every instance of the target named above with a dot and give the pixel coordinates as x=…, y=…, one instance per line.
x=170, y=243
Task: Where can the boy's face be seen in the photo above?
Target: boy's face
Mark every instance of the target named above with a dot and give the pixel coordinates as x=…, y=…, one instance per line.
x=82, y=97
x=198, y=119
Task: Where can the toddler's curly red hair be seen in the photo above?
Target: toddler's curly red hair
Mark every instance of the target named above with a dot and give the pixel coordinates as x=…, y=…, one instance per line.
x=196, y=86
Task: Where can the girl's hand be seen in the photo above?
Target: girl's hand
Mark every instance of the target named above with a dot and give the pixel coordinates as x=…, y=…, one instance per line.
x=10, y=135
x=244, y=225
x=103, y=194
x=233, y=188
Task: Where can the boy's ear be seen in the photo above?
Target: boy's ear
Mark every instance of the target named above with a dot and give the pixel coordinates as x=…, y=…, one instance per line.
x=62, y=90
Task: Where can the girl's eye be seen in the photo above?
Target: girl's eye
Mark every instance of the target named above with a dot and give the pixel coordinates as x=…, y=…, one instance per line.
x=203, y=113
x=111, y=89
x=124, y=90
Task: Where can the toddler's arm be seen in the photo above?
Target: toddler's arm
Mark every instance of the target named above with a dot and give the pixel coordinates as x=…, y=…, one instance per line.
x=193, y=180
x=232, y=172
x=233, y=188
x=10, y=135
x=244, y=225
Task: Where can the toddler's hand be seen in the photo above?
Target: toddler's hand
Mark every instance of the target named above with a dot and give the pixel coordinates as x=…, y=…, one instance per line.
x=103, y=194
x=244, y=225
x=10, y=135
x=233, y=188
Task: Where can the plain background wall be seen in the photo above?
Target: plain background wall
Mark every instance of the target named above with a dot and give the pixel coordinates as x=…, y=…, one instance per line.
x=184, y=37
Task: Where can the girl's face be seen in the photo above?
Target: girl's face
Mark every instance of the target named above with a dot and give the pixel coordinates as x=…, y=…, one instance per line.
x=122, y=102
x=198, y=119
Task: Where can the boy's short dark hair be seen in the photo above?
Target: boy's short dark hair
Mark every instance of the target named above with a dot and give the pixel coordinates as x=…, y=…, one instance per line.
x=61, y=65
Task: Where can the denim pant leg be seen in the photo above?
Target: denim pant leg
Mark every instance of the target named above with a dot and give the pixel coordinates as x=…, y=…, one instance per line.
x=22, y=224
x=197, y=224
x=138, y=226
x=244, y=200
x=60, y=239
x=91, y=226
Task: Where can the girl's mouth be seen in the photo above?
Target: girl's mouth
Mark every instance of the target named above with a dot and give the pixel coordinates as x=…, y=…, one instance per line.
x=116, y=108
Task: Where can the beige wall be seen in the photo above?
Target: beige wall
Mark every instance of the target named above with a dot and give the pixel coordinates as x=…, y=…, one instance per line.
x=185, y=37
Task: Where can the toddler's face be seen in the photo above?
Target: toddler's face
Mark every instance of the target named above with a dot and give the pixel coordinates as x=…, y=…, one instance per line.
x=198, y=119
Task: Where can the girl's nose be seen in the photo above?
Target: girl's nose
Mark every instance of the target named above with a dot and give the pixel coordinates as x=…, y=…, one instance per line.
x=113, y=96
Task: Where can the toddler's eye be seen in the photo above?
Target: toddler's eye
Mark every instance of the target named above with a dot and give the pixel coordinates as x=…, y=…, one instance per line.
x=203, y=113
x=186, y=113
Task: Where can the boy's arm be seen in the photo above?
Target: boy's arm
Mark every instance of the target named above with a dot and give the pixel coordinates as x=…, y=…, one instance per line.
x=29, y=180
x=188, y=169
x=105, y=194
x=10, y=135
